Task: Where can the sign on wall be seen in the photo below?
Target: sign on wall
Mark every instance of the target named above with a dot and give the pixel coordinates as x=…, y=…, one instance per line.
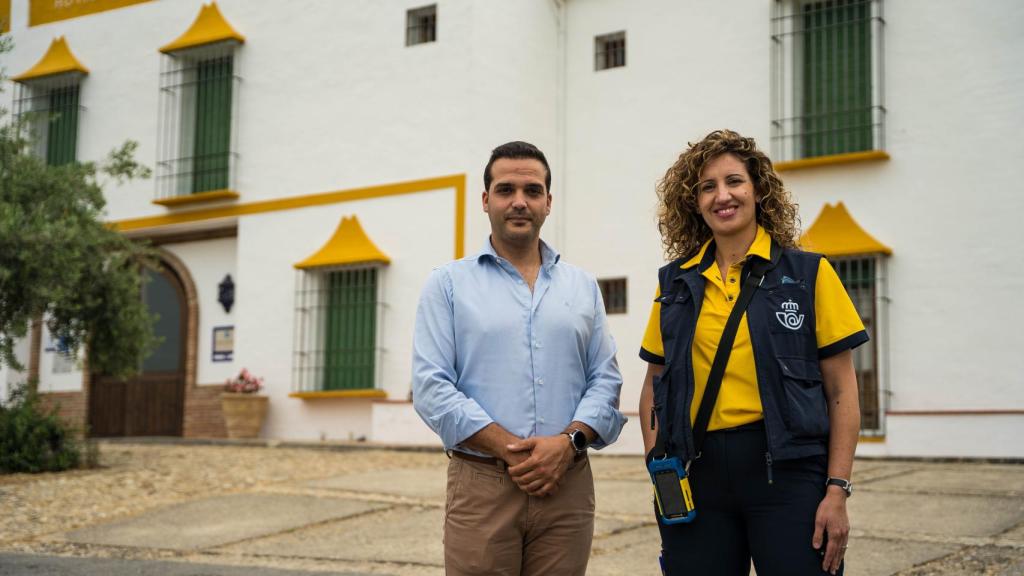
x=223, y=343
x=45, y=11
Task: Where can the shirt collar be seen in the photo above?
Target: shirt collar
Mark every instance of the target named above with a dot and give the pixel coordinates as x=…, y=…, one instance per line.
x=548, y=255
x=761, y=247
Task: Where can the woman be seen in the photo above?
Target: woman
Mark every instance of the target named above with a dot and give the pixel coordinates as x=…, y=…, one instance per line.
x=772, y=478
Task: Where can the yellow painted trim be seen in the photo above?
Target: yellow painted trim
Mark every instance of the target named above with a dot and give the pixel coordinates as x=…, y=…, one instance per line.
x=363, y=393
x=5, y=14
x=836, y=233
x=348, y=245
x=209, y=27
x=830, y=160
x=199, y=198
x=57, y=60
x=457, y=181
x=872, y=439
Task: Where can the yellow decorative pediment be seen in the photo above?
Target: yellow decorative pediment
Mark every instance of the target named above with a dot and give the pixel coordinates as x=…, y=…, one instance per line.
x=57, y=60
x=836, y=233
x=209, y=27
x=349, y=245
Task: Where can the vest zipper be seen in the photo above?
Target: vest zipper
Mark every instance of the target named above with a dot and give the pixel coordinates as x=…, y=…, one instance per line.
x=654, y=415
x=768, y=461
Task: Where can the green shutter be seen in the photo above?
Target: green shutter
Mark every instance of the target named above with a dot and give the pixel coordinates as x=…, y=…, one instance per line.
x=62, y=128
x=351, y=334
x=837, y=77
x=213, y=125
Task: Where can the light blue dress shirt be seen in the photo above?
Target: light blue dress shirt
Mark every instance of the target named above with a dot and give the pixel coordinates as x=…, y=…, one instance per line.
x=487, y=349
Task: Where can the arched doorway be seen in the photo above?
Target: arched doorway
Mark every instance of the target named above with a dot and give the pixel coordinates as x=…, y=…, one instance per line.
x=151, y=403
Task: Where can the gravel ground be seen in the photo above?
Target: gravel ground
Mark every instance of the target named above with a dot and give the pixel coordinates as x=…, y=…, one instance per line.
x=134, y=478
x=35, y=510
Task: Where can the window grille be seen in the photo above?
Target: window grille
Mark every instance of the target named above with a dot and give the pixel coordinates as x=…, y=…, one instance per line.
x=610, y=51
x=860, y=276
x=613, y=292
x=827, y=78
x=198, y=103
x=337, y=314
x=49, y=109
x=421, y=25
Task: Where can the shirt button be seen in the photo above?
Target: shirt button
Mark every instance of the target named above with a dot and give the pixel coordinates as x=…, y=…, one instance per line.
x=730, y=298
x=541, y=420
x=536, y=345
x=540, y=381
x=732, y=280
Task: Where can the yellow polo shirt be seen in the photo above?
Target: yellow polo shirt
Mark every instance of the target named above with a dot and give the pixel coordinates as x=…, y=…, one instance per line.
x=738, y=400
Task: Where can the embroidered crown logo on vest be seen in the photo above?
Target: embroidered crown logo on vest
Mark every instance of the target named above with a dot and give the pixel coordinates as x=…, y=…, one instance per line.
x=790, y=316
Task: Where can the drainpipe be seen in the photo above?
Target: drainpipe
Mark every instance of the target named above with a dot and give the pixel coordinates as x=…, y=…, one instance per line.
x=562, y=208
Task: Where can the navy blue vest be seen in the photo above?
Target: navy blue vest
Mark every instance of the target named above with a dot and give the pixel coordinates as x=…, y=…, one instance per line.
x=782, y=334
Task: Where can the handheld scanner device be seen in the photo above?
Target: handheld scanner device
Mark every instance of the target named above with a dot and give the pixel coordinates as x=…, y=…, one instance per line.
x=672, y=491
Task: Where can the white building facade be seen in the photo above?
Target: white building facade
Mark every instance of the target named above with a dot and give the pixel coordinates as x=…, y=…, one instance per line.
x=314, y=160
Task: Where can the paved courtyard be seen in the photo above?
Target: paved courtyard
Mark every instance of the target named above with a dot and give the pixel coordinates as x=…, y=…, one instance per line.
x=231, y=509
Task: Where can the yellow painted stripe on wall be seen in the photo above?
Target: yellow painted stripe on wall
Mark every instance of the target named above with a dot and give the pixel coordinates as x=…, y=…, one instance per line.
x=457, y=181
x=46, y=11
x=5, y=15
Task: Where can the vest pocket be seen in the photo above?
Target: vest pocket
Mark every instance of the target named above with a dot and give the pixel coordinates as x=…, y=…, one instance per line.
x=805, y=408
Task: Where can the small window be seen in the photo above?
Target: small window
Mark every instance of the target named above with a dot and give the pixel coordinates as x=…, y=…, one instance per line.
x=613, y=291
x=859, y=276
x=421, y=25
x=827, y=81
x=198, y=100
x=610, y=51
x=51, y=110
x=336, y=330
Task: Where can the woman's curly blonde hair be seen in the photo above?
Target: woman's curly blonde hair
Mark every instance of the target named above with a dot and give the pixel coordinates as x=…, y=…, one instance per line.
x=683, y=230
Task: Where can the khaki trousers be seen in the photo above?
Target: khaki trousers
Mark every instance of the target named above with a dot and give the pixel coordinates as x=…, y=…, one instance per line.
x=492, y=527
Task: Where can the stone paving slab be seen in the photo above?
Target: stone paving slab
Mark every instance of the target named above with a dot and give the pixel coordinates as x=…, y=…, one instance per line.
x=931, y=514
x=424, y=483
x=965, y=479
x=409, y=534
x=217, y=521
x=618, y=468
x=876, y=557
x=626, y=497
x=629, y=552
x=22, y=564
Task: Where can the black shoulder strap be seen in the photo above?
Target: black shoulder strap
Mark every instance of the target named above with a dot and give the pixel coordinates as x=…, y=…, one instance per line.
x=707, y=403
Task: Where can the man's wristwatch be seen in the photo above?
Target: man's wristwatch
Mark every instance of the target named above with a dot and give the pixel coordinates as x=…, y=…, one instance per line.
x=846, y=485
x=578, y=441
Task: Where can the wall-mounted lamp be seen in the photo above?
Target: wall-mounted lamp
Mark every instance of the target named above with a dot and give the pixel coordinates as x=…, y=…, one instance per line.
x=226, y=293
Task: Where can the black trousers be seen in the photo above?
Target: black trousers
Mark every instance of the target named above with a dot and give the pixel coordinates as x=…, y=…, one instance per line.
x=740, y=516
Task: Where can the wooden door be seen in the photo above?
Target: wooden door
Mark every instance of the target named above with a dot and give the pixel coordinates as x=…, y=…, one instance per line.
x=151, y=403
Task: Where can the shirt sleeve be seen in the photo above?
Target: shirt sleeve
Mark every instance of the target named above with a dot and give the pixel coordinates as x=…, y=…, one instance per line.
x=436, y=397
x=599, y=407
x=838, y=326
x=652, y=349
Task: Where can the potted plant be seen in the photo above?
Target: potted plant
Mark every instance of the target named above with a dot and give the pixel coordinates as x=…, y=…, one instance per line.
x=243, y=407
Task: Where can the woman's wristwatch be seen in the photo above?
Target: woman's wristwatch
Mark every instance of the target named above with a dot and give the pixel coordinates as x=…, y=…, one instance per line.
x=846, y=485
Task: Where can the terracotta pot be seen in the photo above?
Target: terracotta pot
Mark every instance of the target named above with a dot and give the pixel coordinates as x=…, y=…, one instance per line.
x=243, y=413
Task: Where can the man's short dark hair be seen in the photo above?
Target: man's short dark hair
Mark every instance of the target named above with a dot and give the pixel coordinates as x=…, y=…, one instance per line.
x=517, y=150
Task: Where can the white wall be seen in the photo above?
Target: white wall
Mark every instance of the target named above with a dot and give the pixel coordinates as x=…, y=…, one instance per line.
x=415, y=230
x=948, y=203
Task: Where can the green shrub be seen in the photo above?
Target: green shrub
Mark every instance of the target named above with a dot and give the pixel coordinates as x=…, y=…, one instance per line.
x=31, y=439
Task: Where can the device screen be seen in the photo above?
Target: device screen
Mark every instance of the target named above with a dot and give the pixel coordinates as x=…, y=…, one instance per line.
x=670, y=494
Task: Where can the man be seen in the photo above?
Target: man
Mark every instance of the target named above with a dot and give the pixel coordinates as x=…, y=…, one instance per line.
x=514, y=369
